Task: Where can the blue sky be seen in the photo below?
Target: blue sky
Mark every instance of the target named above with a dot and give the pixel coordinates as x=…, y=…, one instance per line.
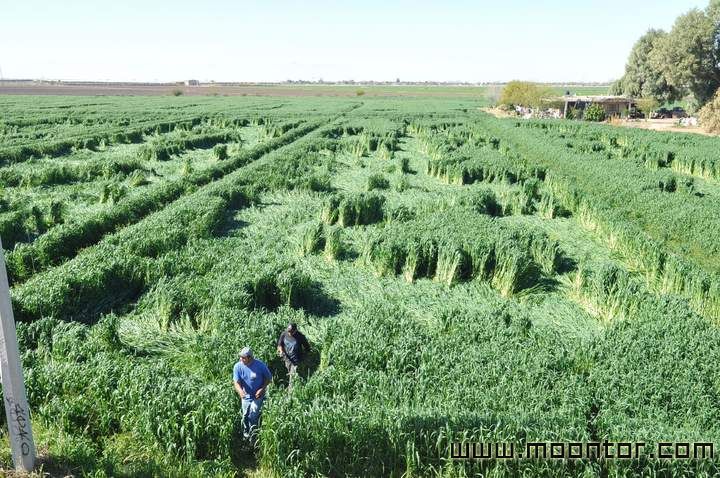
x=274, y=40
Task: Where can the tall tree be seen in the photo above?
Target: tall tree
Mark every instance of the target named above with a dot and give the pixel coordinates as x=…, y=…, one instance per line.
x=644, y=78
x=689, y=56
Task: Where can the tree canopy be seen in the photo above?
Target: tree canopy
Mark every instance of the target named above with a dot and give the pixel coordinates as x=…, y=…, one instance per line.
x=689, y=55
x=643, y=77
x=668, y=65
x=525, y=93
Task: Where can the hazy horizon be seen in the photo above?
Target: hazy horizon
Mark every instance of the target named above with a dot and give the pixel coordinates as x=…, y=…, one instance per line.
x=275, y=41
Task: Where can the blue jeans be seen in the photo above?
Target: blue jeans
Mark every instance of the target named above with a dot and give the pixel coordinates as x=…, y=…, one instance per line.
x=251, y=410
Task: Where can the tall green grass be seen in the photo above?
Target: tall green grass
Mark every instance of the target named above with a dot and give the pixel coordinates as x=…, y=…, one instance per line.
x=459, y=245
x=353, y=210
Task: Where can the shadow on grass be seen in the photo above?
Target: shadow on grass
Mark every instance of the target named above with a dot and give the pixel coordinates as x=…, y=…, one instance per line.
x=308, y=366
x=230, y=224
x=567, y=264
x=243, y=454
x=318, y=302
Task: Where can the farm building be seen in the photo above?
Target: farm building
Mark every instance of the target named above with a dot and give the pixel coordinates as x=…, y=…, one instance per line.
x=192, y=83
x=613, y=105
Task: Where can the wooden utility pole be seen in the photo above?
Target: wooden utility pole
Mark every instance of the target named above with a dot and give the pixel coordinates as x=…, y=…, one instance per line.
x=13, y=384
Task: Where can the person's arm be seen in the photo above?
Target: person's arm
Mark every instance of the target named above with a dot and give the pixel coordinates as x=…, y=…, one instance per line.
x=268, y=378
x=236, y=383
x=240, y=391
x=281, y=345
x=261, y=391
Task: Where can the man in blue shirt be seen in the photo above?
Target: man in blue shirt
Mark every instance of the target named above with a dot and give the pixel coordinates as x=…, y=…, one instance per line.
x=251, y=378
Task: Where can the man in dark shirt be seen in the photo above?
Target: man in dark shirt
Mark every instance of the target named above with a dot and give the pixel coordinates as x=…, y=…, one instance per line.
x=292, y=346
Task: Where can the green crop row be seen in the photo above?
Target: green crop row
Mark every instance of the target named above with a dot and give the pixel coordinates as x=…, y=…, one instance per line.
x=459, y=245
x=161, y=148
x=481, y=164
x=59, y=147
x=687, y=154
x=194, y=215
x=625, y=204
x=55, y=174
x=62, y=242
x=353, y=210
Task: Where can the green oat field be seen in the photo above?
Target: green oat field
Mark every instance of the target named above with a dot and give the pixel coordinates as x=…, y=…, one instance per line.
x=460, y=278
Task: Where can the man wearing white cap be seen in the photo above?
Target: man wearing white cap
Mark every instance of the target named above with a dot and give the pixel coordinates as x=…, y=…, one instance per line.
x=251, y=378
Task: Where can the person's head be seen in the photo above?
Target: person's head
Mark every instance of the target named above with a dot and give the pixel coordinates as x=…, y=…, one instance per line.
x=246, y=356
x=292, y=328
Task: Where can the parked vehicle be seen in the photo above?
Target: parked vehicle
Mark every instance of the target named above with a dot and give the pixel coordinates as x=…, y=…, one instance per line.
x=678, y=112
x=662, y=113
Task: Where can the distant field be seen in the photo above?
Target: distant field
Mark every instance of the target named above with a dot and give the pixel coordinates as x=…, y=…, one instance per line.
x=460, y=278
x=272, y=90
